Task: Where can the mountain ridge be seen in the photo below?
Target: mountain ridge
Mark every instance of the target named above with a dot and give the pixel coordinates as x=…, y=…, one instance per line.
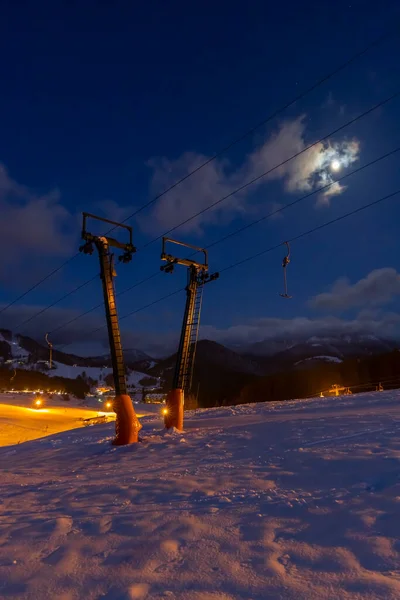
x=212, y=358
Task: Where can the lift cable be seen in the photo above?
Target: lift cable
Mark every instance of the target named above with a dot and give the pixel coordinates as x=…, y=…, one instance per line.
x=309, y=231
x=281, y=164
x=319, y=82
x=102, y=304
x=301, y=199
x=92, y=331
x=365, y=113
x=270, y=117
x=262, y=253
x=33, y=287
x=243, y=228
x=43, y=310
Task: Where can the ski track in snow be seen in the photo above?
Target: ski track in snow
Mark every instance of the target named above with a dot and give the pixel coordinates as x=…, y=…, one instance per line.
x=294, y=500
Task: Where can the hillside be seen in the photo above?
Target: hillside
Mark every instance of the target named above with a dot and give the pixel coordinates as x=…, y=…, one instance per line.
x=360, y=374
x=218, y=373
x=30, y=359
x=339, y=346
x=22, y=347
x=222, y=375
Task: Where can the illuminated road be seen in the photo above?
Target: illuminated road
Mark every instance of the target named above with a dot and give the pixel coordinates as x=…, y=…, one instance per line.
x=22, y=423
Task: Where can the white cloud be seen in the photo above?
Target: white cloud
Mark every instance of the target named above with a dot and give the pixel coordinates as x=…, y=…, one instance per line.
x=193, y=195
x=331, y=104
x=87, y=335
x=31, y=227
x=310, y=170
x=379, y=287
x=276, y=329
x=110, y=209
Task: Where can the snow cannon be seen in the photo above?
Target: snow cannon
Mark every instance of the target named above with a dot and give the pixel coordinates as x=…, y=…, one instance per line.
x=173, y=411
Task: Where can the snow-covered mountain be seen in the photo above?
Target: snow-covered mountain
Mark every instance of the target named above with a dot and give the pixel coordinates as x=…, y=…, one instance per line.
x=212, y=359
x=339, y=346
x=216, y=355
x=22, y=352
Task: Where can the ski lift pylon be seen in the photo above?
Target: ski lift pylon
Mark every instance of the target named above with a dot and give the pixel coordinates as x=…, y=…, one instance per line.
x=50, y=345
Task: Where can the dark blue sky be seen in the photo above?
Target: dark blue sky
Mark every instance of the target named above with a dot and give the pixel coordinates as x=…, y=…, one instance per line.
x=95, y=94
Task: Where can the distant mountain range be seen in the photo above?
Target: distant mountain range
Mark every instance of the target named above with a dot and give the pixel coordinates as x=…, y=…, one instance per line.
x=24, y=353
x=340, y=346
x=23, y=346
x=218, y=369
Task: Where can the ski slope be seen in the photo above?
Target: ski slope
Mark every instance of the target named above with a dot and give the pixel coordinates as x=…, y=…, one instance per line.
x=20, y=422
x=96, y=373
x=294, y=500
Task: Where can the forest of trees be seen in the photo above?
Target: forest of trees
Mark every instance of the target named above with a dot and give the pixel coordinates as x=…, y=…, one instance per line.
x=25, y=379
x=217, y=385
x=357, y=374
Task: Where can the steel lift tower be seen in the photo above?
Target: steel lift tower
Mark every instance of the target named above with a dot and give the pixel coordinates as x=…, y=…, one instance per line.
x=127, y=424
x=198, y=276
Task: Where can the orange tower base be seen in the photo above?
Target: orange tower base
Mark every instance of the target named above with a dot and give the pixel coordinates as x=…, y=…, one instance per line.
x=127, y=425
x=174, y=406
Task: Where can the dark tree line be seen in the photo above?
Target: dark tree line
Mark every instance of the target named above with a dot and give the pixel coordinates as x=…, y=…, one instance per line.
x=32, y=380
x=357, y=374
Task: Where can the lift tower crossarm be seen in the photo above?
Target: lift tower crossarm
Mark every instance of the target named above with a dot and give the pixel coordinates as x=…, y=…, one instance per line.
x=127, y=424
x=187, y=262
x=121, y=225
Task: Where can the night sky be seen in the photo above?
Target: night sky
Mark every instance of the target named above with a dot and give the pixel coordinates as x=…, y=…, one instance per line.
x=105, y=104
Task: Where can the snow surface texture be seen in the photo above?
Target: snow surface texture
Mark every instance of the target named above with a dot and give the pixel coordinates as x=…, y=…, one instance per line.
x=291, y=500
x=96, y=373
x=333, y=359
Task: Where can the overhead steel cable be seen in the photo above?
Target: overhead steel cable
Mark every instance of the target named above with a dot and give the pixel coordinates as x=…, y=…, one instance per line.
x=262, y=253
x=43, y=310
x=128, y=315
x=247, y=226
x=264, y=174
x=33, y=287
x=270, y=117
x=310, y=231
x=298, y=200
x=379, y=40
x=278, y=166
x=101, y=304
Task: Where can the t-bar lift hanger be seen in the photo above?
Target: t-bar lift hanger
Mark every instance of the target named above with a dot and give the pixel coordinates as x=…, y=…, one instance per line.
x=285, y=263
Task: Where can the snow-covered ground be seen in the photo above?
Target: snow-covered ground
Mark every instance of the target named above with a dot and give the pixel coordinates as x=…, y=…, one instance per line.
x=291, y=501
x=96, y=373
x=333, y=359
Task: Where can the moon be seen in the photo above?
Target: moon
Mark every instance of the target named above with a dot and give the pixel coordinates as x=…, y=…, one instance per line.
x=335, y=165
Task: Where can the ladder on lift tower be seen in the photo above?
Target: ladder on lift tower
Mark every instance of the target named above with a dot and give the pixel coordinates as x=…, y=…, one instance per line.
x=190, y=339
